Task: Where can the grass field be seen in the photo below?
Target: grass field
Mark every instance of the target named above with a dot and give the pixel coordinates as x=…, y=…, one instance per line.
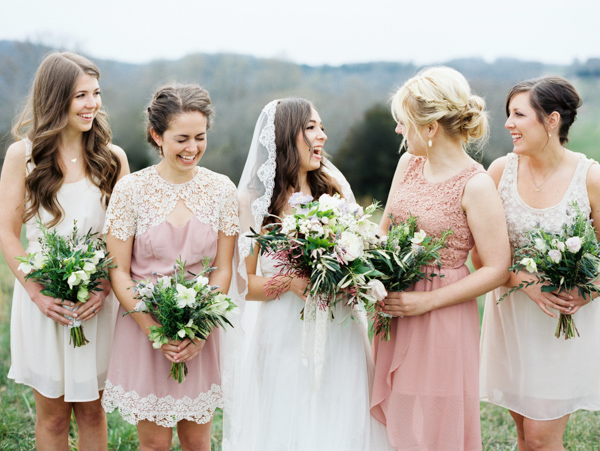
x=17, y=409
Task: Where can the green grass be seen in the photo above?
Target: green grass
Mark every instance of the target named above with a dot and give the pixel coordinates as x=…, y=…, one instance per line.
x=17, y=409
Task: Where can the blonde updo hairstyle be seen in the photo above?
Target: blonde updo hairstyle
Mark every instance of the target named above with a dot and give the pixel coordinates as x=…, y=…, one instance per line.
x=441, y=94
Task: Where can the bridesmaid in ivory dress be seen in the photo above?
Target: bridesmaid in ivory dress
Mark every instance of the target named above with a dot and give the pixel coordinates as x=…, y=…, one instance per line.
x=524, y=367
x=174, y=210
x=62, y=170
x=426, y=376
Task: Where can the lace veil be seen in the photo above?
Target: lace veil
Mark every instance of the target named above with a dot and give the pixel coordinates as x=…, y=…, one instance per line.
x=255, y=191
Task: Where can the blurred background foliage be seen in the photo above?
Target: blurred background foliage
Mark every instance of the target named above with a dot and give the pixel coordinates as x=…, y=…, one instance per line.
x=353, y=101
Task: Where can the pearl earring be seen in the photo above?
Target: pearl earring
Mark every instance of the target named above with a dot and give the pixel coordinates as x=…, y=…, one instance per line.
x=430, y=143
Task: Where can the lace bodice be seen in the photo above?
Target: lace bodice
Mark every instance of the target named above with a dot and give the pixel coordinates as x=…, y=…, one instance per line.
x=520, y=217
x=438, y=208
x=144, y=199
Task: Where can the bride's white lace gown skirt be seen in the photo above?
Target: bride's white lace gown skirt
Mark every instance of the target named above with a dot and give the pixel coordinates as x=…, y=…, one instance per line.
x=284, y=409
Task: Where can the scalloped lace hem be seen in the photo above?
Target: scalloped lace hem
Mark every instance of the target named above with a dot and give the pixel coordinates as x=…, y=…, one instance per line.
x=166, y=411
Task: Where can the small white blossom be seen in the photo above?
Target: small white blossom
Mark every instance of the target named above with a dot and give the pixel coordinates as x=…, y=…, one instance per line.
x=418, y=237
x=89, y=267
x=39, y=261
x=540, y=245
x=327, y=202
x=201, y=281
x=573, y=244
x=185, y=296
x=98, y=255
x=25, y=268
x=558, y=244
x=219, y=304
x=351, y=245
x=529, y=264
x=376, y=290
x=140, y=307
x=554, y=256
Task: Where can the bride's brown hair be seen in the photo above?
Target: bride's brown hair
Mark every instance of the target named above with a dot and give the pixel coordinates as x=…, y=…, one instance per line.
x=291, y=118
x=43, y=119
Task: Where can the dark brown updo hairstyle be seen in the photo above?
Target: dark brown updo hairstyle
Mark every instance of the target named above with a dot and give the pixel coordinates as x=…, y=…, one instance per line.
x=174, y=99
x=291, y=117
x=548, y=94
x=44, y=117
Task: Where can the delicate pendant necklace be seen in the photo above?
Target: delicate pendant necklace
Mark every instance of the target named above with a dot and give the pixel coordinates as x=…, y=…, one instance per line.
x=538, y=187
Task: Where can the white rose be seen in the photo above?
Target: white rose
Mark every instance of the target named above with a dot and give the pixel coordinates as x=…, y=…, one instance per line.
x=418, y=237
x=540, y=245
x=573, y=244
x=529, y=264
x=376, y=290
x=554, y=256
x=185, y=296
x=140, y=307
x=351, y=246
x=327, y=202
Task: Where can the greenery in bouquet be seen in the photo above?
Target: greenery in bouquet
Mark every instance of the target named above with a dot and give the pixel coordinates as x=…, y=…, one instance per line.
x=69, y=268
x=185, y=307
x=561, y=262
x=325, y=241
x=398, y=261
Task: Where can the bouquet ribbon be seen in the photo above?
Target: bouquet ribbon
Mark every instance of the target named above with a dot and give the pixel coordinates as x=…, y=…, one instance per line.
x=314, y=336
x=76, y=322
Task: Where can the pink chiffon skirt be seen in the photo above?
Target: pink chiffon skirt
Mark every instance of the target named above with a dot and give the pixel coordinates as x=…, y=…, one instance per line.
x=426, y=388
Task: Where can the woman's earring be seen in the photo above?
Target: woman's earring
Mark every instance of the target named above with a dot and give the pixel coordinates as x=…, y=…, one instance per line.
x=160, y=152
x=430, y=143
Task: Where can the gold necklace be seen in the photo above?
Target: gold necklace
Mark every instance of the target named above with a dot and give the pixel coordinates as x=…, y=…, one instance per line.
x=538, y=187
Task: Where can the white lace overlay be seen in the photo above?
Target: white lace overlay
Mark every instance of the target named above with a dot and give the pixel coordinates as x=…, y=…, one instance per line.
x=144, y=199
x=165, y=411
x=520, y=217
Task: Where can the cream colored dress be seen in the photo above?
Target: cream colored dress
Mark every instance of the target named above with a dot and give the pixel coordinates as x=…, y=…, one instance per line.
x=41, y=355
x=524, y=367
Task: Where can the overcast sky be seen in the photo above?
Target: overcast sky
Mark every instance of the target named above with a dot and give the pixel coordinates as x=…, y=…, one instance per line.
x=312, y=31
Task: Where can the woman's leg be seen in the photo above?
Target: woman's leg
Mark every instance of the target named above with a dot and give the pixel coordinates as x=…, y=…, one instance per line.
x=53, y=416
x=194, y=436
x=154, y=437
x=534, y=435
x=91, y=423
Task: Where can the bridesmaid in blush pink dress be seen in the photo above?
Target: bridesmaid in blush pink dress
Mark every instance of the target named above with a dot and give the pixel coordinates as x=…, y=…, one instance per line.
x=157, y=215
x=426, y=376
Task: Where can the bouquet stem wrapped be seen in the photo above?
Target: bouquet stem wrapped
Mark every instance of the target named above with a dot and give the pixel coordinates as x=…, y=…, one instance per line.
x=69, y=268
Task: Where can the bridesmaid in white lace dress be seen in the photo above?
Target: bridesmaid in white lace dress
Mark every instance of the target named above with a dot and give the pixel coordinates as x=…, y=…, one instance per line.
x=62, y=170
x=539, y=378
x=174, y=210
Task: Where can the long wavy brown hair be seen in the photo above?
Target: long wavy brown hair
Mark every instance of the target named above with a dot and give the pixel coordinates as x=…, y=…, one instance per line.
x=44, y=117
x=291, y=118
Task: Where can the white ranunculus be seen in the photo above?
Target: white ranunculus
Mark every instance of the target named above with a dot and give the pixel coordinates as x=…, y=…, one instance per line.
x=573, y=244
x=351, y=246
x=418, y=237
x=540, y=245
x=554, y=256
x=219, y=304
x=201, y=281
x=185, y=296
x=25, y=268
x=376, y=290
x=529, y=264
x=327, y=202
x=89, y=267
x=98, y=255
x=558, y=245
x=140, y=307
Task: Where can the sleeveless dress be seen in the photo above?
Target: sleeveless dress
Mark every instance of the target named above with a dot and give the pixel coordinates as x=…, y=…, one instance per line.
x=138, y=384
x=286, y=409
x=524, y=367
x=41, y=355
x=426, y=376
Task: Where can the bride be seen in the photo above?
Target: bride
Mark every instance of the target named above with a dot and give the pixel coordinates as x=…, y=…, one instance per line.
x=289, y=404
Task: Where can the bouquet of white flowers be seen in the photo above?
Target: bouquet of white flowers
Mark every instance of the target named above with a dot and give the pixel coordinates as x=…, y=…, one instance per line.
x=398, y=261
x=184, y=307
x=324, y=241
x=561, y=262
x=68, y=268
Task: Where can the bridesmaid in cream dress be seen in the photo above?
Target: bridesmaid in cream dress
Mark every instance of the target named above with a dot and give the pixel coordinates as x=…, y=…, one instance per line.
x=63, y=170
x=539, y=378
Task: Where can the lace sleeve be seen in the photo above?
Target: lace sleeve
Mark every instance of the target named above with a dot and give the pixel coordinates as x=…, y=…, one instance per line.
x=229, y=222
x=121, y=215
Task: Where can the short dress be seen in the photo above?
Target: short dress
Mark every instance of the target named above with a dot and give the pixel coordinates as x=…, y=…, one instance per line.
x=41, y=355
x=138, y=384
x=524, y=367
x=426, y=376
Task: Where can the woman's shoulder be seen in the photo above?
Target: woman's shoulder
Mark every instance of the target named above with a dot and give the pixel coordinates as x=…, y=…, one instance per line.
x=17, y=150
x=134, y=180
x=216, y=180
